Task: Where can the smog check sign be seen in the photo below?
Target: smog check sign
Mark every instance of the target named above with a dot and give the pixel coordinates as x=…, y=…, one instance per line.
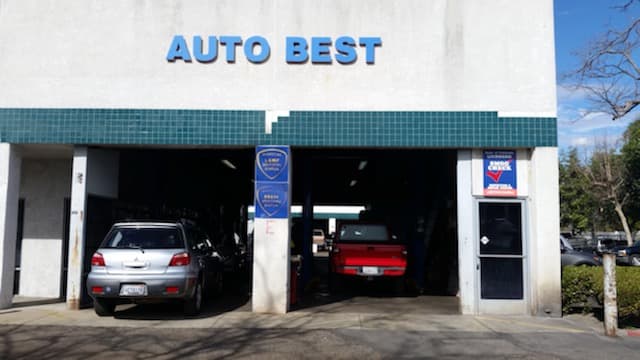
x=272, y=182
x=500, y=175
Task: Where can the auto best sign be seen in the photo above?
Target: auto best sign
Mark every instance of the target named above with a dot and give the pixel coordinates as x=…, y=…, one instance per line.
x=500, y=175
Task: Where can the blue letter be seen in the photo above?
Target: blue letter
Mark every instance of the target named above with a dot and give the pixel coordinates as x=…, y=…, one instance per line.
x=264, y=46
x=197, y=49
x=345, y=48
x=231, y=42
x=296, y=50
x=178, y=50
x=370, y=43
x=320, y=52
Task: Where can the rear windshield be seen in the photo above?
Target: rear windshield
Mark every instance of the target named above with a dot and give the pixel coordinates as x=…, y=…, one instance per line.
x=144, y=238
x=363, y=232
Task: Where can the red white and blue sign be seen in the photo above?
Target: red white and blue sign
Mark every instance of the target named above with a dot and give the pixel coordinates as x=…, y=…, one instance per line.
x=500, y=174
x=272, y=182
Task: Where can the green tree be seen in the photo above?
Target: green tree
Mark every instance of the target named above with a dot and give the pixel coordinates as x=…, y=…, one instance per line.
x=607, y=176
x=577, y=206
x=631, y=159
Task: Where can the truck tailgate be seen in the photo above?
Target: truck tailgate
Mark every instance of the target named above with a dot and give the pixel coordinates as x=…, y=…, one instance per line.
x=371, y=255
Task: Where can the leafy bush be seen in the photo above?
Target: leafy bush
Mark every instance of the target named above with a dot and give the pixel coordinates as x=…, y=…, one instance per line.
x=582, y=288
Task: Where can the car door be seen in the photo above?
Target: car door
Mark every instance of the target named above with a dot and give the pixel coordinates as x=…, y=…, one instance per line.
x=208, y=262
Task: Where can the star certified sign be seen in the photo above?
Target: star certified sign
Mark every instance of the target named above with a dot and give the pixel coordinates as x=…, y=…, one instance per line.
x=272, y=164
x=272, y=182
x=500, y=175
x=271, y=200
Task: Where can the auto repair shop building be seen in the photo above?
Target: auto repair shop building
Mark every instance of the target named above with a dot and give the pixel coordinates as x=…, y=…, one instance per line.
x=439, y=116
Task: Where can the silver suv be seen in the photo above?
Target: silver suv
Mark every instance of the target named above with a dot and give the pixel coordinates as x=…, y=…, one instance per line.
x=150, y=261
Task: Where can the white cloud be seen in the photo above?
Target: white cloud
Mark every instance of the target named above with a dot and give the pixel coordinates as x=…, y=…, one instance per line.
x=568, y=92
x=580, y=141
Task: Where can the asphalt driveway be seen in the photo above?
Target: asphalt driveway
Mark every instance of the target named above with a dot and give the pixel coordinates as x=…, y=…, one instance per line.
x=155, y=331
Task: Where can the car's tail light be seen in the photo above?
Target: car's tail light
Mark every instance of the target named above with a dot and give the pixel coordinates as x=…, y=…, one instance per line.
x=97, y=290
x=97, y=260
x=181, y=259
x=172, y=289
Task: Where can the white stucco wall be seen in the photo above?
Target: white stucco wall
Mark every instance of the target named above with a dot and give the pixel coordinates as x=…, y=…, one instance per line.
x=44, y=185
x=77, y=226
x=545, y=232
x=467, y=258
x=10, y=164
x=436, y=55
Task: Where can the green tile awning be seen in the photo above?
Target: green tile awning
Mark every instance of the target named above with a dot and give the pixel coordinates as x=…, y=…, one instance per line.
x=415, y=129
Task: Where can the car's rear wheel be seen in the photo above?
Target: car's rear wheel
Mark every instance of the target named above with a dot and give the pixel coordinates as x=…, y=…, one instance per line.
x=104, y=307
x=193, y=305
x=634, y=260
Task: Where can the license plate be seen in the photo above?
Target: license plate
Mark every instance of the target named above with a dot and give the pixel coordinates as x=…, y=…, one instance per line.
x=370, y=270
x=133, y=290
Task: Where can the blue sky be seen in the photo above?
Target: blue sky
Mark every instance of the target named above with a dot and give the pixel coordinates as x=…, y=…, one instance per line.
x=576, y=23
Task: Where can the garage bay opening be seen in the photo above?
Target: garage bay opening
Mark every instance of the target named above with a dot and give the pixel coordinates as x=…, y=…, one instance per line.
x=382, y=232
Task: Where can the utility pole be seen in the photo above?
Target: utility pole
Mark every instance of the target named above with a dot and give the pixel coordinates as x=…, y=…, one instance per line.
x=610, y=294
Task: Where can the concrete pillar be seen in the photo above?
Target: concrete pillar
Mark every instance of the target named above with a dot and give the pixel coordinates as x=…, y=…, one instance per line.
x=466, y=251
x=77, y=227
x=546, y=292
x=271, y=243
x=10, y=162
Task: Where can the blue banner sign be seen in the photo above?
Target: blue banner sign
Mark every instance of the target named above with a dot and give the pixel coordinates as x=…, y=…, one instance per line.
x=500, y=175
x=272, y=182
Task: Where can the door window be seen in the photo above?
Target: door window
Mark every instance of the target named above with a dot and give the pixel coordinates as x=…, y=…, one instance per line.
x=501, y=250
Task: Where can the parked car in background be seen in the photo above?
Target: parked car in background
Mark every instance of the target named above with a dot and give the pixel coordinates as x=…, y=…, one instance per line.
x=318, y=239
x=628, y=255
x=366, y=250
x=569, y=256
x=151, y=261
x=329, y=240
x=609, y=245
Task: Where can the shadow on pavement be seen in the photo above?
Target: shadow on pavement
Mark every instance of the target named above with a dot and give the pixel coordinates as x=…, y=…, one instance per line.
x=174, y=310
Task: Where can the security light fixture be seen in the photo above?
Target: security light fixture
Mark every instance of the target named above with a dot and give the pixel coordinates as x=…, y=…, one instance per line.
x=228, y=164
x=362, y=165
x=353, y=183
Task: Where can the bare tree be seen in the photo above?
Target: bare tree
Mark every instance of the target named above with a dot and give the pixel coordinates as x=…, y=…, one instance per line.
x=610, y=70
x=606, y=175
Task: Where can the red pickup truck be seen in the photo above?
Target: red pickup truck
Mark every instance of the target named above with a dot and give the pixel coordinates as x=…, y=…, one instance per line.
x=366, y=250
